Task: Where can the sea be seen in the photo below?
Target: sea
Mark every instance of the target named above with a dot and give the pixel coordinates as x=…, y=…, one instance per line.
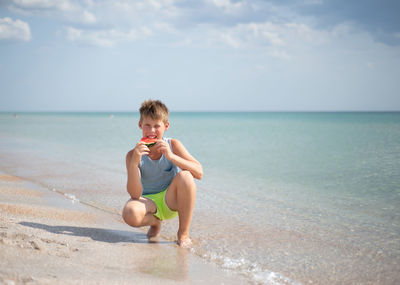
x=286, y=197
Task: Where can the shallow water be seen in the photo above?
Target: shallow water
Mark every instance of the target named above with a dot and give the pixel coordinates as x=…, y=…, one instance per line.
x=286, y=197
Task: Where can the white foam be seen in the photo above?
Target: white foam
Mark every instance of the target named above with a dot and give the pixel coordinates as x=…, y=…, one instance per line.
x=71, y=197
x=234, y=263
x=252, y=270
x=272, y=278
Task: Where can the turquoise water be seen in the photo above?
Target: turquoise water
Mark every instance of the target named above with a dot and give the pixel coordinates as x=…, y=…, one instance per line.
x=286, y=197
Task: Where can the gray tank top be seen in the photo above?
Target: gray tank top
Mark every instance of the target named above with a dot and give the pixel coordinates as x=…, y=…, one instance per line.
x=157, y=175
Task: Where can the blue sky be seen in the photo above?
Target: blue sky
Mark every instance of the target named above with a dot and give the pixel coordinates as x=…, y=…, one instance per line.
x=210, y=55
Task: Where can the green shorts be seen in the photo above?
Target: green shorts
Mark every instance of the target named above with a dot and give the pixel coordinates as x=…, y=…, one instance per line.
x=163, y=212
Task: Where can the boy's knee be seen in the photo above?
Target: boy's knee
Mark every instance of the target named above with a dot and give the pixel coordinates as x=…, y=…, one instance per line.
x=187, y=183
x=132, y=215
x=186, y=177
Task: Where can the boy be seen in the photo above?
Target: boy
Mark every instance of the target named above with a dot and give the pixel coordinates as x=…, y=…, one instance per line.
x=160, y=177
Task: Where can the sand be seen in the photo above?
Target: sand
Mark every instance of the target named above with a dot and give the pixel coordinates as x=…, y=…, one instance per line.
x=46, y=238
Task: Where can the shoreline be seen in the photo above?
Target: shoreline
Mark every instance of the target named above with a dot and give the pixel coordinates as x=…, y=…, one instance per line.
x=48, y=238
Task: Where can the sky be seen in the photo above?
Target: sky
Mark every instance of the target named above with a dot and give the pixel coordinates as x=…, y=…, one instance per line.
x=200, y=55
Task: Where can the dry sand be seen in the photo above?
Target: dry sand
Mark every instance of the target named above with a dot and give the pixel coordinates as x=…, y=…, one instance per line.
x=46, y=238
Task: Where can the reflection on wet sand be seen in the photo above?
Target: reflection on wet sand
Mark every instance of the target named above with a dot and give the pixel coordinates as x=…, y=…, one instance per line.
x=169, y=264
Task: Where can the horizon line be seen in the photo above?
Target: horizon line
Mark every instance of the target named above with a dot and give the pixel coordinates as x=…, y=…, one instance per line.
x=202, y=111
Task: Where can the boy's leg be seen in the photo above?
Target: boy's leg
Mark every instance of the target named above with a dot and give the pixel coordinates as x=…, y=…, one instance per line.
x=181, y=197
x=139, y=213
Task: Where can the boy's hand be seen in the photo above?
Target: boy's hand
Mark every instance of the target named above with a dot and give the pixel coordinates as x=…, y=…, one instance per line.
x=163, y=147
x=139, y=150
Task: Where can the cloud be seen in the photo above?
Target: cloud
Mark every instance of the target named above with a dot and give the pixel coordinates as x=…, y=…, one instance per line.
x=306, y=33
x=232, y=23
x=88, y=17
x=74, y=11
x=231, y=40
x=378, y=18
x=134, y=11
x=14, y=30
x=106, y=38
x=43, y=4
x=227, y=6
x=268, y=34
x=103, y=23
x=250, y=34
x=126, y=21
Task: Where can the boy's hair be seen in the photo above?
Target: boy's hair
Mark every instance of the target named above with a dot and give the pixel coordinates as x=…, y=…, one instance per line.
x=155, y=110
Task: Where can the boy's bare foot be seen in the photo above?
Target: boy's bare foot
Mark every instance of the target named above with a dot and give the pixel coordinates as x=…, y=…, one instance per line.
x=154, y=231
x=184, y=241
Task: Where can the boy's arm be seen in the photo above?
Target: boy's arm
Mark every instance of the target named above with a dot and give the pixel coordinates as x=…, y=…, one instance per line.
x=182, y=158
x=134, y=183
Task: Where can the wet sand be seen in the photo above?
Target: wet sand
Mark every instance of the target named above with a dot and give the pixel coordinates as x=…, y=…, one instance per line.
x=46, y=238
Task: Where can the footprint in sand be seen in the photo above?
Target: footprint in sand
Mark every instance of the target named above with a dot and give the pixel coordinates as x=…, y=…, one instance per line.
x=52, y=247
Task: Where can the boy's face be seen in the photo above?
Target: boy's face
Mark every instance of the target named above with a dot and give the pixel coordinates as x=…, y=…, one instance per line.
x=153, y=128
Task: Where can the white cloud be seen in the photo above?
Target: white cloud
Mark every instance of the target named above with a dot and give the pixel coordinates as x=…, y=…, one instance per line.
x=305, y=33
x=142, y=10
x=231, y=40
x=14, y=30
x=267, y=31
x=64, y=5
x=88, y=17
x=116, y=21
x=123, y=21
x=227, y=6
x=89, y=3
x=274, y=36
x=283, y=41
x=250, y=35
x=106, y=38
x=65, y=9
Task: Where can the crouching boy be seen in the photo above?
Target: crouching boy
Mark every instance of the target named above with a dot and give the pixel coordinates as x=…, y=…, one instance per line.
x=160, y=176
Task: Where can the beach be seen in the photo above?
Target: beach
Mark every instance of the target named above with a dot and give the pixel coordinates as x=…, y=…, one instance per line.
x=47, y=238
